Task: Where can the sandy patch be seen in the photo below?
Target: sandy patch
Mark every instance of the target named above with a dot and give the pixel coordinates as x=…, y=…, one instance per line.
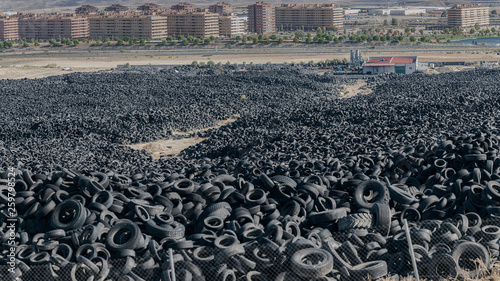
x=351, y=90
x=171, y=148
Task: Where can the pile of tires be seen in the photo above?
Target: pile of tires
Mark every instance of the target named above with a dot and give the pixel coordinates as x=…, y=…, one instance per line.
x=302, y=186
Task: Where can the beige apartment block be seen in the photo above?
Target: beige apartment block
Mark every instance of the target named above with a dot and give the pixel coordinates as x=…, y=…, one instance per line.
x=293, y=17
x=231, y=25
x=150, y=7
x=45, y=27
x=261, y=18
x=197, y=24
x=132, y=26
x=117, y=8
x=221, y=8
x=9, y=29
x=86, y=10
x=184, y=7
x=468, y=15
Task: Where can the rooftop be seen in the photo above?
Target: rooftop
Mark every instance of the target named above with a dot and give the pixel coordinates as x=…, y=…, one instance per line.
x=390, y=60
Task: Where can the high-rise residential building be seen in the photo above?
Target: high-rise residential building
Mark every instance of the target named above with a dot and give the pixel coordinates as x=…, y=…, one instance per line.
x=292, y=17
x=46, y=27
x=116, y=8
x=231, y=25
x=196, y=24
x=221, y=8
x=184, y=7
x=128, y=25
x=86, y=10
x=9, y=29
x=468, y=15
x=261, y=18
x=150, y=7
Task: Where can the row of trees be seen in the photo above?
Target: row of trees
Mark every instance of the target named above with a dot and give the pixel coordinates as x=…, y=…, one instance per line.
x=334, y=62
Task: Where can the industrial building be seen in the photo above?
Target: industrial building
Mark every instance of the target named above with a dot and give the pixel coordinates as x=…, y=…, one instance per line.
x=197, y=24
x=380, y=65
x=261, y=18
x=221, y=8
x=133, y=26
x=9, y=29
x=407, y=12
x=53, y=27
x=183, y=7
x=231, y=25
x=86, y=10
x=293, y=17
x=468, y=15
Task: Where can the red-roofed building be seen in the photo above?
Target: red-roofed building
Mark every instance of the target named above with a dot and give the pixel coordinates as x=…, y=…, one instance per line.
x=379, y=65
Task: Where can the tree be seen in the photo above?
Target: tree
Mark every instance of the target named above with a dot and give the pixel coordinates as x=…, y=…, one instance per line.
x=185, y=42
x=375, y=38
x=194, y=64
x=413, y=29
x=280, y=41
x=421, y=31
x=300, y=34
x=180, y=37
x=400, y=38
x=238, y=38
x=319, y=31
x=382, y=38
x=119, y=42
x=308, y=40
x=274, y=37
x=196, y=41
x=296, y=39
x=412, y=39
x=142, y=42
x=334, y=28
x=446, y=31
x=76, y=42
x=212, y=38
x=321, y=40
x=328, y=37
x=281, y=28
x=190, y=39
x=472, y=31
x=493, y=30
x=388, y=37
x=260, y=37
x=126, y=39
x=174, y=43
x=170, y=38
x=407, y=30
x=244, y=40
x=386, y=23
x=37, y=44
x=494, y=12
x=256, y=40
x=206, y=41
x=210, y=63
x=477, y=26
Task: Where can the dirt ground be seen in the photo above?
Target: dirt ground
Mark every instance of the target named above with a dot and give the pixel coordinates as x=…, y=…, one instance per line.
x=171, y=148
x=37, y=67
x=347, y=91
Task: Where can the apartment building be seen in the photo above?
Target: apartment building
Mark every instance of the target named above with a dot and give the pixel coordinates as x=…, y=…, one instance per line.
x=133, y=26
x=45, y=27
x=261, y=18
x=468, y=15
x=292, y=17
x=149, y=7
x=86, y=10
x=117, y=8
x=221, y=8
x=9, y=29
x=231, y=25
x=184, y=7
x=197, y=24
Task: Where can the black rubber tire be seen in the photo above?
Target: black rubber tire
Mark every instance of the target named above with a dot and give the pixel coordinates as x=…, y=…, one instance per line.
x=374, y=270
x=124, y=235
x=302, y=269
x=465, y=253
x=355, y=221
x=69, y=207
x=382, y=194
x=381, y=218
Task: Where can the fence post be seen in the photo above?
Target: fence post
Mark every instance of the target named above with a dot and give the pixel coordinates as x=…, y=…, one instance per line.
x=410, y=248
x=172, y=267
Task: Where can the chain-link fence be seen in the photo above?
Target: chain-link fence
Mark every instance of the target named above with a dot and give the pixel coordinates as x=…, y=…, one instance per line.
x=96, y=226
